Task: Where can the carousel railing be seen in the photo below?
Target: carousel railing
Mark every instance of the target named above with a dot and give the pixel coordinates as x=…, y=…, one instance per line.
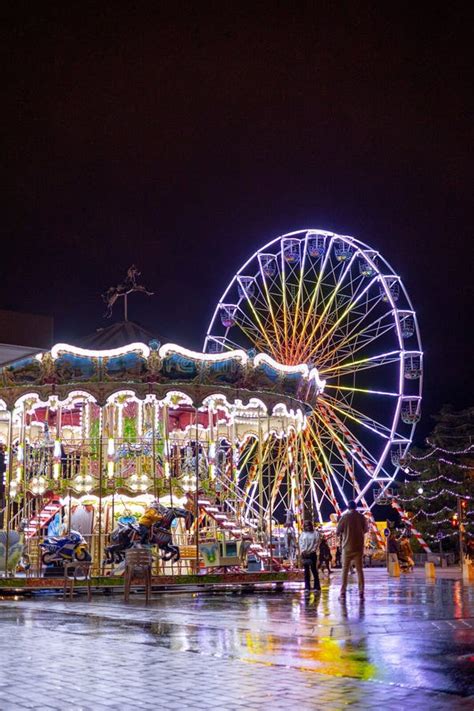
x=190, y=561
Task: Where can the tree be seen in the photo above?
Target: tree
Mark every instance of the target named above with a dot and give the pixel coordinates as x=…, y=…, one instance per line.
x=439, y=476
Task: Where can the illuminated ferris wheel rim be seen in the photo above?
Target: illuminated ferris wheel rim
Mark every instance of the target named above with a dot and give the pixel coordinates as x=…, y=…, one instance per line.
x=381, y=272
x=361, y=248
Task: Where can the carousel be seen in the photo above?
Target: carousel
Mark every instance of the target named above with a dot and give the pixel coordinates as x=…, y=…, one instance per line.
x=307, y=395
x=93, y=437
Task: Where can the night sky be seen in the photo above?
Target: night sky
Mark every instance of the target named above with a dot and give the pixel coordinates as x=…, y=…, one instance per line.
x=184, y=138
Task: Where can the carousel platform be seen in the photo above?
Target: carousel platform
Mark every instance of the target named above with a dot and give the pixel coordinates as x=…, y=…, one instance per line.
x=98, y=584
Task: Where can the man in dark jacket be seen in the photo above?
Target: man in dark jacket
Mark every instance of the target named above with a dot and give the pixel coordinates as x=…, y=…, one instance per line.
x=352, y=528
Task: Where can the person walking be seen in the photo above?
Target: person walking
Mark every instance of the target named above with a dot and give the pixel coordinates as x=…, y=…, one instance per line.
x=352, y=528
x=309, y=543
x=393, y=545
x=324, y=556
x=405, y=555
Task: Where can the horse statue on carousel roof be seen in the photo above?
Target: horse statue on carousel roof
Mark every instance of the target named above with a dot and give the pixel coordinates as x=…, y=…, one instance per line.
x=128, y=286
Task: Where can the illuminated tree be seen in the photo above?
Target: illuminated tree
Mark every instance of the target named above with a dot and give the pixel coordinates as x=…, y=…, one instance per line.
x=438, y=492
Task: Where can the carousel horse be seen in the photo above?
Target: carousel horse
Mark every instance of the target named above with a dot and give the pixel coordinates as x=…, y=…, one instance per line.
x=15, y=551
x=126, y=535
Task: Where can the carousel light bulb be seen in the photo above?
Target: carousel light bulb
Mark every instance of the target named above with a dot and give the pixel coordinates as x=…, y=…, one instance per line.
x=407, y=470
x=420, y=490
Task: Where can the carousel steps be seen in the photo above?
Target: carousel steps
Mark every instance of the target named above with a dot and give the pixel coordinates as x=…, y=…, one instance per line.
x=230, y=525
x=38, y=521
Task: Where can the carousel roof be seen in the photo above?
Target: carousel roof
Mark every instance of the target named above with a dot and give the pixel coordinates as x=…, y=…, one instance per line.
x=117, y=335
x=153, y=369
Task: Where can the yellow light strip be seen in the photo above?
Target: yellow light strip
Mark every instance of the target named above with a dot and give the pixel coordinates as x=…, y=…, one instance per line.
x=329, y=302
x=311, y=308
x=346, y=311
x=270, y=307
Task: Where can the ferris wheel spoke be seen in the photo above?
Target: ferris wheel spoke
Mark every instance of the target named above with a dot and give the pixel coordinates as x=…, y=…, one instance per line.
x=356, y=366
x=349, y=446
x=375, y=466
x=344, y=315
x=317, y=490
x=366, y=462
x=222, y=343
x=359, y=418
x=322, y=317
x=299, y=297
x=327, y=462
x=255, y=328
x=314, y=453
x=291, y=275
x=361, y=391
x=372, y=332
x=265, y=296
x=312, y=307
x=317, y=500
x=351, y=328
x=280, y=469
x=267, y=299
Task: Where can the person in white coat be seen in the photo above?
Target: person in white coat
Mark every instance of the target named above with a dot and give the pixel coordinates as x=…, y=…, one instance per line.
x=309, y=544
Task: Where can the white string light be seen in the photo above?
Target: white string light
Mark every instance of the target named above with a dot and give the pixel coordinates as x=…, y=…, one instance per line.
x=466, y=497
x=440, y=449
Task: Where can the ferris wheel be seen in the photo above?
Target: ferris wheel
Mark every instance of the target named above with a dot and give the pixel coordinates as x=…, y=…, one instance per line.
x=333, y=302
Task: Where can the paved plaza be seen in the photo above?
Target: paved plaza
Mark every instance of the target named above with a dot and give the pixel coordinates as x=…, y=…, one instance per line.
x=410, y=643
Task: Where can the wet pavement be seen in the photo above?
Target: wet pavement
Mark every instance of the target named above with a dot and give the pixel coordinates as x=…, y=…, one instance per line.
x=410, y=642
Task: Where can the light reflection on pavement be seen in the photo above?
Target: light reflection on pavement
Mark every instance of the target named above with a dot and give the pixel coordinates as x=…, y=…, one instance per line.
x=408, y=642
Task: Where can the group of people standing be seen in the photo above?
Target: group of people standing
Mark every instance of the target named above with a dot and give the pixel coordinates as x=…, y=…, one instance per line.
x=351, y=529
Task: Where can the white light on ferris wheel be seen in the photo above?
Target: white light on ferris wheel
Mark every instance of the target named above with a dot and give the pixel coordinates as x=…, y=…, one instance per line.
x=331, y=301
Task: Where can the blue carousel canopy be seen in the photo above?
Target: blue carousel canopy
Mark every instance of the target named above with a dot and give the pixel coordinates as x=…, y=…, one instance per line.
x=150, y=367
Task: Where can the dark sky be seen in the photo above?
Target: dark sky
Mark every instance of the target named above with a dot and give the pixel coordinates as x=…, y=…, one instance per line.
x=183, y=136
